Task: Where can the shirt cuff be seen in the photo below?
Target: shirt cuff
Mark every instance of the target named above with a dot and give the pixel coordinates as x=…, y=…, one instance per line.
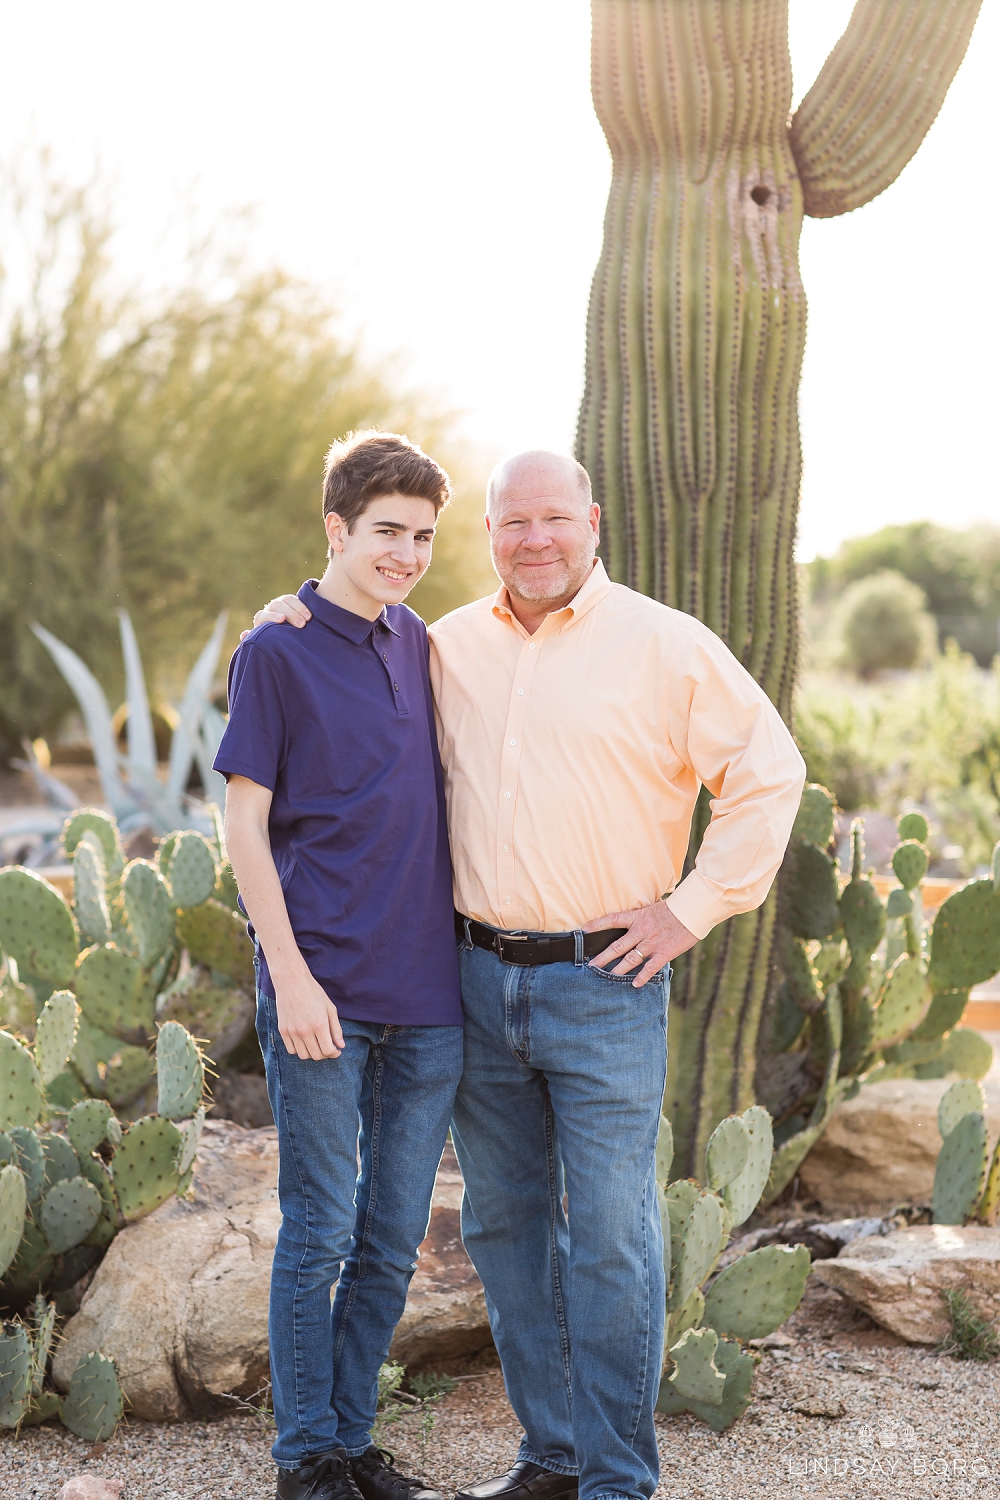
x=227, y=767
x=698, y=905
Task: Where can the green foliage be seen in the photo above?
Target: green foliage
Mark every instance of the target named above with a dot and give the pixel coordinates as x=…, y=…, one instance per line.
x=93, y=1404
x=883, y=623
x=972, y=1336
x=217, y=937
x=160, y=437
x=180, y=1073
x=36, y=926
x=754, y=1296
x=145, y=1167
x=192, y=871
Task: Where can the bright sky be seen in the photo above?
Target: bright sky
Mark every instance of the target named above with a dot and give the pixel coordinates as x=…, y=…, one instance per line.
x=438, y=167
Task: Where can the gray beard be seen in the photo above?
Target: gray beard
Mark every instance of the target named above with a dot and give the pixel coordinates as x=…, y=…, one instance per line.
x=548, y=592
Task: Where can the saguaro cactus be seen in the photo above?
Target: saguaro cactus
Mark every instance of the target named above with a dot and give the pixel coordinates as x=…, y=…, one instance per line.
x=689, y=427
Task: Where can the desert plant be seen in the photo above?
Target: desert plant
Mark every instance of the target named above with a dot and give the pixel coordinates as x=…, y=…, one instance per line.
x=867, y=989
x=144, y=944
x=706, y=1370
x=967, y=1176
x=883, y=623
x=972, y=1336
x=688, y=425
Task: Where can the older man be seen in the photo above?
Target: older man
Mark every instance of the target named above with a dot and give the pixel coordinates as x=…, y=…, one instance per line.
x=577, y=721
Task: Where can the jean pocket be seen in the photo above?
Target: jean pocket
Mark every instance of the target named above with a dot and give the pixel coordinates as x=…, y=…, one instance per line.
x=606, y=975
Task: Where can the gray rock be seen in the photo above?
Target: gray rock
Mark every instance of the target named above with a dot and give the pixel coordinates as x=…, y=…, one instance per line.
x=900, y=1279
x=180, y=1300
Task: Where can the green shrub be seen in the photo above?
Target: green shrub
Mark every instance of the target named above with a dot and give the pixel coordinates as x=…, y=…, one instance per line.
x=884, y=624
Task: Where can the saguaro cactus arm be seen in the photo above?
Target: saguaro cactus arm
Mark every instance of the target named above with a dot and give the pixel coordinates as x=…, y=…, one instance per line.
x=876, y=97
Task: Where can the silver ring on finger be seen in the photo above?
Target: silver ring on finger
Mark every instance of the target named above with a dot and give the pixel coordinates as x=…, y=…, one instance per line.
x=636, y=956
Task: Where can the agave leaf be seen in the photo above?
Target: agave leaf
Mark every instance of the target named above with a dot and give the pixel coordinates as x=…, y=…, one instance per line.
x=97, y=715
x=141, y=741
x=182, y=746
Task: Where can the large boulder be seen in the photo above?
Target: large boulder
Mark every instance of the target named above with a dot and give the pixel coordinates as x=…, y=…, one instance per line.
x=180, y=1300
x=900, y=1279
x=882, y=1146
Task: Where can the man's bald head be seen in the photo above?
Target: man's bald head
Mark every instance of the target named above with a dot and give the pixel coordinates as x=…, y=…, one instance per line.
x=538, y=469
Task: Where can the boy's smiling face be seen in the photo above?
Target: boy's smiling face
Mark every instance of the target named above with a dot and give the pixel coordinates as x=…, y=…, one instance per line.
x=386, y=554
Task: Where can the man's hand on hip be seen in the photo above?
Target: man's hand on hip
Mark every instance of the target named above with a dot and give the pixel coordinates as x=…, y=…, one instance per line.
x=307, y=1018
x=654, y=937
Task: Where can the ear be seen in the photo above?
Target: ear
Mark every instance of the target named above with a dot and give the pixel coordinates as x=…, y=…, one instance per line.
x=336, y=531
x=595, y=519
x=486, y=518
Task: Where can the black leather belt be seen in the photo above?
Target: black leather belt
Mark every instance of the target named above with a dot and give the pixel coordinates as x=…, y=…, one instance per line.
x=527, y=948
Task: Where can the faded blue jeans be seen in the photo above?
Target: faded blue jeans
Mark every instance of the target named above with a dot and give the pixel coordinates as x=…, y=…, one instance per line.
x=390, y=1093
x=561, y=1092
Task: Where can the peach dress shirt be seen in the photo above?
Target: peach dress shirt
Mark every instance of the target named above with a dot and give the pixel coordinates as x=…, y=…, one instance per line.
x=573, y=758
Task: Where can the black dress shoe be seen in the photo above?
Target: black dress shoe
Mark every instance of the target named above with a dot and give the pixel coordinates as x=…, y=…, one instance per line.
x=525, y=1481
x=377, y=1477
x=326, y=1477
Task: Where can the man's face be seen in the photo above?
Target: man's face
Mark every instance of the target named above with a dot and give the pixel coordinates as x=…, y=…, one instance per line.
x=543, y=532
x=389, y=549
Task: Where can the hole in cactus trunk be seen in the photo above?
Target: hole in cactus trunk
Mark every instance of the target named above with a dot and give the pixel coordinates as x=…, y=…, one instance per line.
x=761, y=194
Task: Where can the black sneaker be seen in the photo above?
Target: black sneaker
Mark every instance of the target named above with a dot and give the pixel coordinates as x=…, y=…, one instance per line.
x=377, y=1477
x=326, y=1477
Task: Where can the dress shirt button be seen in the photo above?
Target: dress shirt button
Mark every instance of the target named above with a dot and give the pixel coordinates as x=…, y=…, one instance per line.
x=520, y=692
x=505, y=848
x=531, y=646
x=506, y=794
x=506, y=901
x=513, y=742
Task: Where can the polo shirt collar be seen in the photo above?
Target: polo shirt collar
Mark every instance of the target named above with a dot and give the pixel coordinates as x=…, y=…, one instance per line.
x=593, y=591
x=353, y=627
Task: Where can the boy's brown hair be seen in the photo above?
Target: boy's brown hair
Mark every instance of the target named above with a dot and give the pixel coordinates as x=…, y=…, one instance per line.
x=367, y=464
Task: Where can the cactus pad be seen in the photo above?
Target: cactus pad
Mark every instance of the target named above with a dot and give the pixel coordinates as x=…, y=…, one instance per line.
x=858, y=1031
x=800, y=976
x=681, y=1198
x=13, y=1202
x=145, y=1166
x=965, y=945
x=664, y=1151
x=20, y=1084
x=109, y=1068
x=989, y=1203
x=15, y=1373
x=960, y=1174
x=742, y=1195
x=221, y=1016
x=700, y=1245
x=695, y=1376
x=863, y=916
x=99, y=1176
x=36, y=926
x=30, y=1158
x=909, y=864
x=967, y=1053
x=90, y=890
x=963, y=1098
x=192, y=1135
x=814, y=819
x=727, y=1152
x=147, y=903
x=95, y=820
x=55, y=1035
x=901, y=1005
x=32, y=1265
x=87, y=1126
x=180, y=1072
x=738, y=1368
x=217, y=937
x=689, y=1315
x=193, y=871
x=899, y=904
x=754, y=1296
x=945, y=1012
x=913, y=825
x=61, y=1161
x=68, y=1213
x=109, y=988
x=8, y=1151
x=812, y=892
x=92, y=1407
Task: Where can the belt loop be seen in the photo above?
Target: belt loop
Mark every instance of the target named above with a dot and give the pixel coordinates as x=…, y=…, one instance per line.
x=467, y=923
x=578, y=948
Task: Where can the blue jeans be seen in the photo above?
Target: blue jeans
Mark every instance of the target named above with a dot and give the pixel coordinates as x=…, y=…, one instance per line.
x=561, y=1093
x=390, y=1093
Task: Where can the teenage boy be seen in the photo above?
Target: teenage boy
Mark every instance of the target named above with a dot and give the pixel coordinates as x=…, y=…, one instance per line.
x=335, y=824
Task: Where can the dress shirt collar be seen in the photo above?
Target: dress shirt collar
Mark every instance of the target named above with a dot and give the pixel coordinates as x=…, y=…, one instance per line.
x=593, y=591
x=354, y=627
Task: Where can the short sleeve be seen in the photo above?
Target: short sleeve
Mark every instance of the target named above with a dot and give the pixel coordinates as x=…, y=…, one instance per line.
x=255, y=742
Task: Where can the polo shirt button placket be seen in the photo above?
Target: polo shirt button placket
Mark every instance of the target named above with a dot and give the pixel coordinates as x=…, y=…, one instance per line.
x=509, y=765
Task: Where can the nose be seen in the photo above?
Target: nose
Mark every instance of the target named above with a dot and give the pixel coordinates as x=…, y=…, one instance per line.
x=405, y=551
x=538, y=537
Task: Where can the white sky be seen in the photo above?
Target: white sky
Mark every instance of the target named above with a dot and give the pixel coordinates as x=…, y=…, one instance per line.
x=439, y=169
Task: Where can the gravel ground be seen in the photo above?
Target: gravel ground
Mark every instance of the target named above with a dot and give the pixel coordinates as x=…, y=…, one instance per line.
x=842, y=1409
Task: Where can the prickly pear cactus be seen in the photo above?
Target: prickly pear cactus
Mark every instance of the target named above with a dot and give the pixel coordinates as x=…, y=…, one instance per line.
x=966, y=1179
x=145, y=1166
x=36, y=926
x=92, y=1407
x=901, y=993
x=193, y=872
x=705, y=1370
x=180, y=1072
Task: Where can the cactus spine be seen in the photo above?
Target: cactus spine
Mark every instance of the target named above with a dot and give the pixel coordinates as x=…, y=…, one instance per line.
x=688, y=425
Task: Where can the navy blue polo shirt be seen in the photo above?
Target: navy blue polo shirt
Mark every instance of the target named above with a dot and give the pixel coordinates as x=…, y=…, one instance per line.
x=336, y=719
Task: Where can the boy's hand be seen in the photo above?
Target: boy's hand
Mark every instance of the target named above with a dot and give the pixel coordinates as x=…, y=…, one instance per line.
x=307, y=1019
x=288, y=607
